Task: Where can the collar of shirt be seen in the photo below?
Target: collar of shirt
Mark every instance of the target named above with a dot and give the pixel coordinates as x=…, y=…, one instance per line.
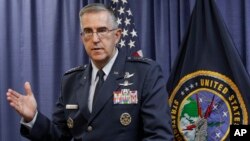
x=106, y=69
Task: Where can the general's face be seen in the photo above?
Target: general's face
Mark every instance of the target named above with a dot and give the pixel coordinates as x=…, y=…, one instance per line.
x=100, y=48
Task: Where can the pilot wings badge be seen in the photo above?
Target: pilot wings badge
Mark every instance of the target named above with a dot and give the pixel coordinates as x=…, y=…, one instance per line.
x=125, y=83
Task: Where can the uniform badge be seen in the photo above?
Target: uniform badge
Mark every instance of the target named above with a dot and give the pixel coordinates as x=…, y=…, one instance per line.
x=127, y=75
x=125, y=96
x=70, y=123
x=125, y=83
x=125, y=119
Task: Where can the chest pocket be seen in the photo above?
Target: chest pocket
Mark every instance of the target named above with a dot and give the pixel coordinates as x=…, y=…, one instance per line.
x=75, y=121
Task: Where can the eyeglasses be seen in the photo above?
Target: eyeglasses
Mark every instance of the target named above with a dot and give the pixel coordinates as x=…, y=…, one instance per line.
x=101, y=32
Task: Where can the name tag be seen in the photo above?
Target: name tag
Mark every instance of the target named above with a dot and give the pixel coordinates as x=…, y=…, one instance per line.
x=71, y=106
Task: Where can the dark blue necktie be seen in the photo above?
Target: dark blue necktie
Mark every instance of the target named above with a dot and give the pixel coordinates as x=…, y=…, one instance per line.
x=100, y=75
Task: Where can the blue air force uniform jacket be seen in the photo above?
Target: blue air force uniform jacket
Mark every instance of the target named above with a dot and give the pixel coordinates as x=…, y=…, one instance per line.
x=132, y=106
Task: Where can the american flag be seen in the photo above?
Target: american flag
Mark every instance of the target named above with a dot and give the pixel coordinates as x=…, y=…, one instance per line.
x=125, y=19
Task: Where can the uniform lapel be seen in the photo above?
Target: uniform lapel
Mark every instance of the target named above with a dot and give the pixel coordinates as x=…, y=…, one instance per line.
x=83, y=92
x=111, y=84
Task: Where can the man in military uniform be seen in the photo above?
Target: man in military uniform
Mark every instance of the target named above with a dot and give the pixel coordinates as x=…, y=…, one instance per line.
x=113, y=98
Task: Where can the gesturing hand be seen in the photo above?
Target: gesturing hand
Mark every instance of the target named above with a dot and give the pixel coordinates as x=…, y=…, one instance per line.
x=25, y=105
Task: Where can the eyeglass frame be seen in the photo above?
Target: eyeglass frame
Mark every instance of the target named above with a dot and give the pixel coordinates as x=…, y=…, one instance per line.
x=91, y=34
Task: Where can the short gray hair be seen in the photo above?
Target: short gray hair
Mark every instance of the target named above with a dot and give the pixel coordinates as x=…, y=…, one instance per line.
x=97, y=7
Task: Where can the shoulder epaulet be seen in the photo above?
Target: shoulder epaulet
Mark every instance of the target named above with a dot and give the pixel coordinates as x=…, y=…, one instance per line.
x=139, y=59
x=79, y=68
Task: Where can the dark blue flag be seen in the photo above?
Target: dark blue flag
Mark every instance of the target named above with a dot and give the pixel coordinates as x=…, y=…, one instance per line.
x=125, y=19
x=209, y=87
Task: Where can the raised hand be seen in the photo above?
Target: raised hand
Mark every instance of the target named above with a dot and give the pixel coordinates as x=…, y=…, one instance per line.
x=25, y=105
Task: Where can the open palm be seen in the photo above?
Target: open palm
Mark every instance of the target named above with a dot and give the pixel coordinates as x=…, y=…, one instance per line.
x=25, y=105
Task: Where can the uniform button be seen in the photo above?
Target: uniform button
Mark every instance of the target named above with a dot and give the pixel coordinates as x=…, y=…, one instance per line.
x=90, y=128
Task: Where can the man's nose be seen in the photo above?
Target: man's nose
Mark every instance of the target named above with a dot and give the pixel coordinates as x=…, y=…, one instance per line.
x=96, y=37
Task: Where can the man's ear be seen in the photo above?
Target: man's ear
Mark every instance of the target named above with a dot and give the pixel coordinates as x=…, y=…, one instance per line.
x=82, y=39
x=118, y=34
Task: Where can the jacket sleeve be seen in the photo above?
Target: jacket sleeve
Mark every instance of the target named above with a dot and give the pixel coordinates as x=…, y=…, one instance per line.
x=155, y=109
x=46, y=130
